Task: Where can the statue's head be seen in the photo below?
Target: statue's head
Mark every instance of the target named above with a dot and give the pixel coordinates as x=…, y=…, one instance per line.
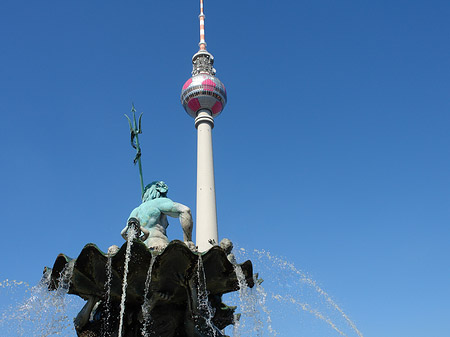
x=157, y=189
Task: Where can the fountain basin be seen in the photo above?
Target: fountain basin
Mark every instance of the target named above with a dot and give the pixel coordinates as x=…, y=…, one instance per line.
x=172, y=291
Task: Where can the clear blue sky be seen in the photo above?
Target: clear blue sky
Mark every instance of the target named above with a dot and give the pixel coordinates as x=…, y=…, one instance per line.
x=333, y=150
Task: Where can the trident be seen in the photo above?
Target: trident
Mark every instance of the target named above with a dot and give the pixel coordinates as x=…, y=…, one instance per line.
x=135, y=129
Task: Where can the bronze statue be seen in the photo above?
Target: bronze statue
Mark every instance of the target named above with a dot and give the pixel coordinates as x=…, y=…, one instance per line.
x=152, y=216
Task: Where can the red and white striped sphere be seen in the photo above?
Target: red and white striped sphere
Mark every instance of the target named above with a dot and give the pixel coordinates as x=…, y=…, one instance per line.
x=203, y=91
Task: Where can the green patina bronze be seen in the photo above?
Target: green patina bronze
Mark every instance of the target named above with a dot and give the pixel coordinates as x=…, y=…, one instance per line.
x=152, y=216
x=135, y=130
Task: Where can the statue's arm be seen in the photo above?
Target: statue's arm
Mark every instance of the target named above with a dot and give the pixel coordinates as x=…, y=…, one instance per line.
x=185, y=216
x=182, y=212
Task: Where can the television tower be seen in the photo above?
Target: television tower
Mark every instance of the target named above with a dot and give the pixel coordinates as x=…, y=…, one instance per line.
x=203, y=97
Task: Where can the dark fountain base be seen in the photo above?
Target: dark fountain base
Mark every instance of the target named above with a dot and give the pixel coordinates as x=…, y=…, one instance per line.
x=180, y=297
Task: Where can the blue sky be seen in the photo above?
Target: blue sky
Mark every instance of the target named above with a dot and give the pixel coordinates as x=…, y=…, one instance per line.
x=333, y=150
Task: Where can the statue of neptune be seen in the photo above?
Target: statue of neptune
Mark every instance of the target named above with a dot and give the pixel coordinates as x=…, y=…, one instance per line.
x=152, y=216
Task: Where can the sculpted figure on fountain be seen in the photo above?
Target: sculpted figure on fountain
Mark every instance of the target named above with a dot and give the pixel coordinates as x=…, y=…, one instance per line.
x=152, y=217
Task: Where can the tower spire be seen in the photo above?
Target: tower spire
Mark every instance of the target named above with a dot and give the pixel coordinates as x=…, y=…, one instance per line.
x=202, y=43
x=202, y=61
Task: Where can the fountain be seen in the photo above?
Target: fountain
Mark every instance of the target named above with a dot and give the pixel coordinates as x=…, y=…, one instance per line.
x=288, y=295
x=149, y=286
x=183, y=284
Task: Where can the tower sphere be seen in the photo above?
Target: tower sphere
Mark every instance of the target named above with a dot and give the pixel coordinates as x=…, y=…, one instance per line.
x=203, y=91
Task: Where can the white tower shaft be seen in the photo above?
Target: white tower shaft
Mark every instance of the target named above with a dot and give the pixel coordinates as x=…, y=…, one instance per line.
x=206, y=192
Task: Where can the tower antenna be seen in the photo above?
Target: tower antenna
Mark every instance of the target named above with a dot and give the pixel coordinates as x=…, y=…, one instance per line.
x=202, y=43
